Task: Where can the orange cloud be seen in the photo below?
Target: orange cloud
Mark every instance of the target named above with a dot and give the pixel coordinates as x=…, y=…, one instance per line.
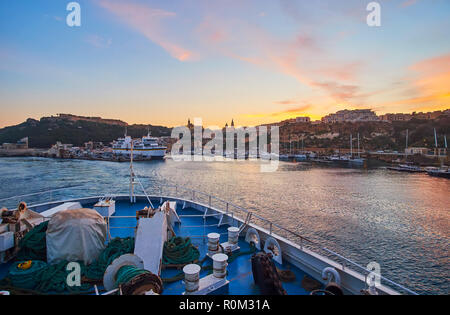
x=147, y=21
x=288, y=113
x=434, y=81
x=408, y=3
x=431, y=85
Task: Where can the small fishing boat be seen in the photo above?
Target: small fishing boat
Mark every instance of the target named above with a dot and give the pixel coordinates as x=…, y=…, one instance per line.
x=355, y=160
x=444, y=173
x=406, y=168
x=300, y=157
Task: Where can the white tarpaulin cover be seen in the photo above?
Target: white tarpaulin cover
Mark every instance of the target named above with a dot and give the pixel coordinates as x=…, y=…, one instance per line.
x=75, y=235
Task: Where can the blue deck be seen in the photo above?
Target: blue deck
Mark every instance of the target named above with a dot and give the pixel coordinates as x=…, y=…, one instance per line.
x=239, y=271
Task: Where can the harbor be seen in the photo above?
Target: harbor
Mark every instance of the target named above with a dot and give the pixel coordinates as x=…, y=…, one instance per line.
x=223, y=155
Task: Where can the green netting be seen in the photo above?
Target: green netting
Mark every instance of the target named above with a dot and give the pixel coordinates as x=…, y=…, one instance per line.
x=44, y=278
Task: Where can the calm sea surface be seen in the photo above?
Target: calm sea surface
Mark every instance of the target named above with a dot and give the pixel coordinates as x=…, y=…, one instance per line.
x=401, y=221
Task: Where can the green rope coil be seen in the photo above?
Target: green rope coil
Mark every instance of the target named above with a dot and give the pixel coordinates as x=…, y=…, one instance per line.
x=44, y=278
x=126, y=273
x=116, y=248
x=26, y=278
x=179, y=251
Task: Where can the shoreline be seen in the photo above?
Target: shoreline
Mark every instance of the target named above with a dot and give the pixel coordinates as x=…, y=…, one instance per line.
x=370, y=159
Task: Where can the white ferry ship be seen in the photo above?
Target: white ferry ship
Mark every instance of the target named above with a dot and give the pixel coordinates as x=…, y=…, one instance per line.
x=147, y=146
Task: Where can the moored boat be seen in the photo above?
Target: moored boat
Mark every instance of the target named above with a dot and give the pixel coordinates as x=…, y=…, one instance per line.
x=444, y=173
x=406, y=168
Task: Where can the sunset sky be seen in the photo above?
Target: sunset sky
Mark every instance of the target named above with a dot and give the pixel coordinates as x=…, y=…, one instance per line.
x=257, y=61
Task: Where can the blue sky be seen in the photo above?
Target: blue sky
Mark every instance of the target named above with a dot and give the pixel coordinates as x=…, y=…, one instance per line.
x=256, y=61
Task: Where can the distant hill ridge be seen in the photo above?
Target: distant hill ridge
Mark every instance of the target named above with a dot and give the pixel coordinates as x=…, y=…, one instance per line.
x=375, y=135
x=92, y=119
x=76, y=130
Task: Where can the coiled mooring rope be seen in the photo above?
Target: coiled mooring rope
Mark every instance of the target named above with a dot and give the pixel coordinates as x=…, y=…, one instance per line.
x=179, y=251
x=116, y=248
x=126, y=273
x=26, y=278
x=44, y=278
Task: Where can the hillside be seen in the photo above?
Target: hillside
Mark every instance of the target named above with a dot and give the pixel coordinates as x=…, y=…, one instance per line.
x=45, y=132
x=374, y=135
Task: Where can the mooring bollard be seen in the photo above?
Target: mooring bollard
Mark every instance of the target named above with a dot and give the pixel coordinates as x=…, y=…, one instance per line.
x=191, y=277
x=233, y=235
x=220, y=263
x=213, y=243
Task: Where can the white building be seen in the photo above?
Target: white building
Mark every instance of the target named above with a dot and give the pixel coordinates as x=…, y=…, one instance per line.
x=351, y=115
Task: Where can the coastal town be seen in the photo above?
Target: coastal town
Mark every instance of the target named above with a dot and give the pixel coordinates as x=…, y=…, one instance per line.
x=337, y=137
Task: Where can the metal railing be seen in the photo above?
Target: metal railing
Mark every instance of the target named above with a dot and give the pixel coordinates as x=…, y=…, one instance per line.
x=240, y=213
x=235, y=212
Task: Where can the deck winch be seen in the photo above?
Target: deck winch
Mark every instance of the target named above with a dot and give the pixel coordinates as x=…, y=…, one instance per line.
x=127, y=273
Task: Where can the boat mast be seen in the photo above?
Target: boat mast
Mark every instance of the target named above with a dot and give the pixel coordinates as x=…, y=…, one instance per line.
x=445, y=144
x=406, y=149
x=359, y=152
x=435, y=143
x=132, y=196
x=290, y=145
x=351, y=146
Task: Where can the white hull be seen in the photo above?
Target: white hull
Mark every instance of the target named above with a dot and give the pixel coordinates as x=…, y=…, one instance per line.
x=141, y=152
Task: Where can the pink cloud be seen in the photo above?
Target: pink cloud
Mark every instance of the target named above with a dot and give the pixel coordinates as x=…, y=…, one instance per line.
x=408, y=3
x=433, y=65
x=219, y=31
x=300, y=56
x=147, y=21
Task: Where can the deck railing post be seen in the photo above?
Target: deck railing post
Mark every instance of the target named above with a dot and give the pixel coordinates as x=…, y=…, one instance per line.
x=210, y=201
x=204, y=229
